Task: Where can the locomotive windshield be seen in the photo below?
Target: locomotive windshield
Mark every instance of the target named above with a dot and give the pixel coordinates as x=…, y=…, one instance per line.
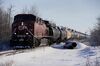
x=24, y=18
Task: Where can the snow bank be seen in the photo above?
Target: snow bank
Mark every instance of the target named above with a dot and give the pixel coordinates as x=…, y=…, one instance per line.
x=58, y=46
x=49, y=56
x=81, y=46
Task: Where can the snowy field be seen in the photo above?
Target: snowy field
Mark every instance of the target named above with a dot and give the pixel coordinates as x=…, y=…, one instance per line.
x=54, y=56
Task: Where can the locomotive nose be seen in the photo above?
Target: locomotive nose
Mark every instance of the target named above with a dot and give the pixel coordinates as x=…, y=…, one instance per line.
x=22, y=26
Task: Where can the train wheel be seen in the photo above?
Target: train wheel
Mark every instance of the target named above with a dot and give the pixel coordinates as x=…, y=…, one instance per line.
x=36, y=42
x=50, y=42
x=12, y=44
x=58, y=41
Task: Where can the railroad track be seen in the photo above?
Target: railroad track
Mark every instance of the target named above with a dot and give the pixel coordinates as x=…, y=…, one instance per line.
x=13, y=52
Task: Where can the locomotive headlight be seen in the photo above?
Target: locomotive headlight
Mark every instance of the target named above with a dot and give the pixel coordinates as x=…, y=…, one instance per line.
x=27, y=33
x=15, y=33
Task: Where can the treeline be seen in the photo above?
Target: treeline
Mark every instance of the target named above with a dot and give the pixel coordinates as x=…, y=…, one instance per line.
x=95, y=34
x=5, y=21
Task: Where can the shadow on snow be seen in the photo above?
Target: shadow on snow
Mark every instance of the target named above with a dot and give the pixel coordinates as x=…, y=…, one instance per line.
x=4, y=46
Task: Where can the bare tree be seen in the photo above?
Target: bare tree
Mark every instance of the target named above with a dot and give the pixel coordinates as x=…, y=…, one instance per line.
x=31, y=10
x=5, y=19
x=0, y=20
x=25, y=10
x=95, y=34
x=9, y=20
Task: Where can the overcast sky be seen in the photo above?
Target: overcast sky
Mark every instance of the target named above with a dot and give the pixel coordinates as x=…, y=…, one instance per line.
x=77, y=14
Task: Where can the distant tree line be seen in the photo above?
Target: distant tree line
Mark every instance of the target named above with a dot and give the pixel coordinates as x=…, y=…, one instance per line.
x=31, y=10
x=95, y=34
x=5, y=21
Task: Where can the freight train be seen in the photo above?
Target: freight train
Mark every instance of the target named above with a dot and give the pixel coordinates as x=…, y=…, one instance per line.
x=28, y=30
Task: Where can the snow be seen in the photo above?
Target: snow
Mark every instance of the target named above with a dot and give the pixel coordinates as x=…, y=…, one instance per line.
x=52, y=56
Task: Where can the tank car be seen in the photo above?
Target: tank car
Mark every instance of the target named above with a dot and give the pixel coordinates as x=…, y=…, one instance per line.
x=54, y=32
x=68, y=34
x=63, y=34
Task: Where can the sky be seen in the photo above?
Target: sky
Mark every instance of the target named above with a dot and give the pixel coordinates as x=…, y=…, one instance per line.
x=80, y=15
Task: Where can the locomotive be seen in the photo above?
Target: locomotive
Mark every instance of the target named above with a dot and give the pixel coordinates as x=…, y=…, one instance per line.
x=28, y=30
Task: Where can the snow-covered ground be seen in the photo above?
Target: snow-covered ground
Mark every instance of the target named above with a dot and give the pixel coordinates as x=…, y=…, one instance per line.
x=53, y=56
